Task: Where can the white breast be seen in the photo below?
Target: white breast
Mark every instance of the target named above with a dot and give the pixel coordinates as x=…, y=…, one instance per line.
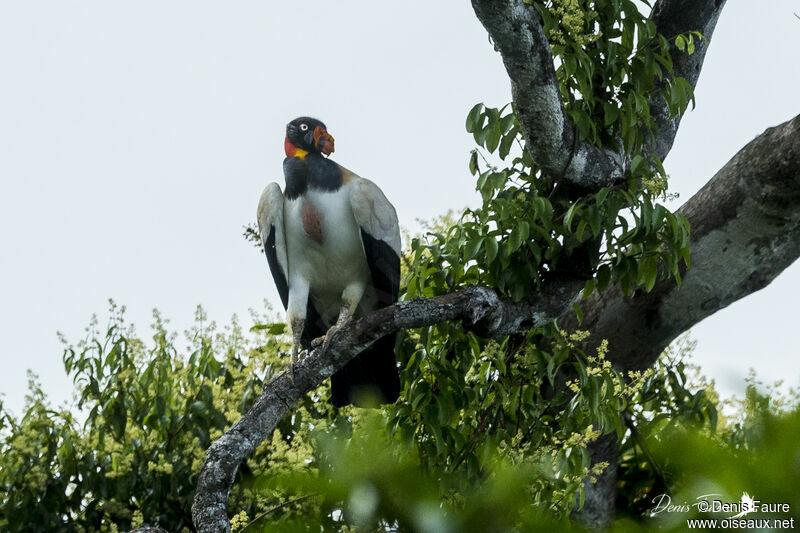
x=329, y=266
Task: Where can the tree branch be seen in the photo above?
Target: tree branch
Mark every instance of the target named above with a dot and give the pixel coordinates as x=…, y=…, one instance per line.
x=745, y=231
x=477, y=307
x=672, y=18
x=516, y=30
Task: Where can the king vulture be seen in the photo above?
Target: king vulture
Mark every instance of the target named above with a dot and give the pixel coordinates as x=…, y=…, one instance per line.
x=333, y=246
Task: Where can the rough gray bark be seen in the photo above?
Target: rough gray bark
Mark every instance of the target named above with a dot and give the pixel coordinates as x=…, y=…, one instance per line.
x=673, y=17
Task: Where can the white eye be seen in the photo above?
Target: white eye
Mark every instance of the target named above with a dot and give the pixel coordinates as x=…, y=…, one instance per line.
x=303, y=127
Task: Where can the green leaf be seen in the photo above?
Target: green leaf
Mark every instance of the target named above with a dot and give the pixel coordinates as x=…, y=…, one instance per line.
x=570, y=213
x=600, y=197
x=473, y=163
x=595, y=219
x=479, y=135
x=603, y=277
x=493, y=133
x=507, y=142
x=658, y=217
x=118, y=417
x=524, y=230
x=278, y=328
x=648, y=272
x=506, y=122
x=514, y=241
x=491, y=246
x=636, y=164
x=578, y=312
x=474, y=118
x=588, y=288
x=581, y=228
x=610, y=113
x=471, y=248
x=198, y=408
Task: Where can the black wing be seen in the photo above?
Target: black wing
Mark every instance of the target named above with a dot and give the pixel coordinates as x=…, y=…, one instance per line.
x=384, y=265
x=270, y=226
x=274, y=267
x=373, y=371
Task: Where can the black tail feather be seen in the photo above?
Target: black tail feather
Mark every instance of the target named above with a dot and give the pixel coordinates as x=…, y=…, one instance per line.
x=372, y=373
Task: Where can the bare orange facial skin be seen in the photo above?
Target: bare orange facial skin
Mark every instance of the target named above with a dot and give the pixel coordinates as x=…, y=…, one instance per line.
x=323, y=140
x=290, y=149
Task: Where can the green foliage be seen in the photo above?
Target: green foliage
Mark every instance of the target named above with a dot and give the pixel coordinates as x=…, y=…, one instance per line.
x=391, y=492
x=755, y=453
x=505, y=451
x=147, y=412
x=462, y=407
x=611, y=63
x=466, y=397
x=670, y=444
x=669, y=398
x=38, y=471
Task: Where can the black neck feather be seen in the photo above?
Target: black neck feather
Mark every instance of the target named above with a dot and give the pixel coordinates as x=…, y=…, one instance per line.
x=313, y=172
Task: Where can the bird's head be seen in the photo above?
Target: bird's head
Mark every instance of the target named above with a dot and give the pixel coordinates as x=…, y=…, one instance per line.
x=306, y=134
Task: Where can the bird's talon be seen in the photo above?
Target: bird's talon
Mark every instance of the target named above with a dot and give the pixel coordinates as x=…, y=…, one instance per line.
x=329, y=337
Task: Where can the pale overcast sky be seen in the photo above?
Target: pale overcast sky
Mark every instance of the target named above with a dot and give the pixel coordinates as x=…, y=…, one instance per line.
x=135, y=139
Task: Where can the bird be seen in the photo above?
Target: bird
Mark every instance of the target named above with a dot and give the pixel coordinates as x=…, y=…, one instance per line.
x=332, y=241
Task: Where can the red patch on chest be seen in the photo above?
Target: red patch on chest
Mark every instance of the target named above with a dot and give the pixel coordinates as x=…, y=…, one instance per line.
x=312, y=223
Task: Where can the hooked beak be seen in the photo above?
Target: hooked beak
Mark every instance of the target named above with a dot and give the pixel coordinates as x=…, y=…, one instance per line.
x=323, y=141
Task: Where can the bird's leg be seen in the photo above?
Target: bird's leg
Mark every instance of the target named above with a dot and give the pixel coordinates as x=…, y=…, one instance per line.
x=297, y=332
x=296, y=315
x=345, y=314
x=350, y=299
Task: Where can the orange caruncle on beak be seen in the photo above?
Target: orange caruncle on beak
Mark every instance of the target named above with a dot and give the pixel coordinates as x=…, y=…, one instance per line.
x=323, y=140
